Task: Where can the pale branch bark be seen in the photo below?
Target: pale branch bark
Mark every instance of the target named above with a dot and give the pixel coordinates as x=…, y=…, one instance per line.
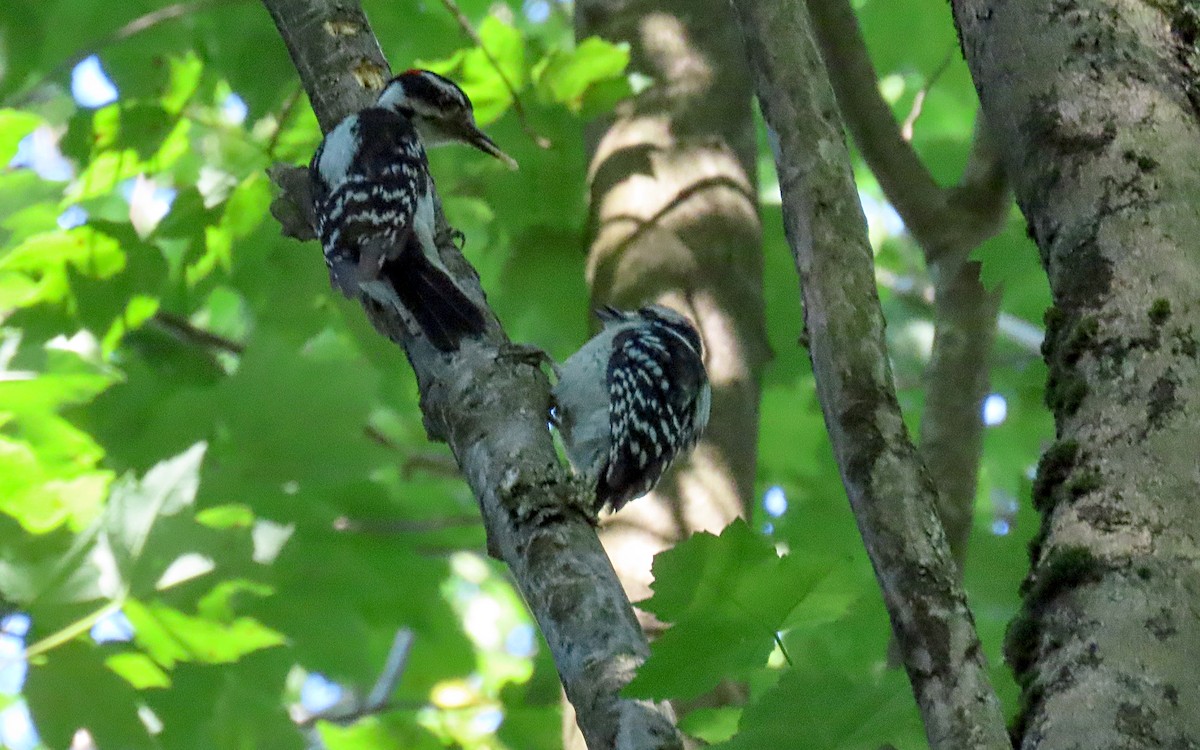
x=948, y=223
x=673, y=213
x=1096, y=109
x=892, y=495
x=490, y=404
x=956, y=383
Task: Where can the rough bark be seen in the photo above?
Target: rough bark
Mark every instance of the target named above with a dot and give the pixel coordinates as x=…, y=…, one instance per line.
x=674, y=218
x=674, y=214
x=892, y=494
x=948, y=223
x=491, y=406
x=1095, y=108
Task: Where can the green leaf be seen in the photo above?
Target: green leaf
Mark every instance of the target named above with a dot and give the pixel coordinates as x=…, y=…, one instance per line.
x=138, y=670
x=506, y=47
x=183, y=81
x=14, y=125
x=737, y=576
x=170, y=636
x=712, y=725
x=727, y=597
x=565, y=77
x=830, y=712
x=48, y=258
x=39, y=497
x=137, y=506
x=692, y=657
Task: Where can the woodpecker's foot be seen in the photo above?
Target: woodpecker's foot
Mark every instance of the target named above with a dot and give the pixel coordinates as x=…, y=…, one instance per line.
x=527, y=354
x=584, y=500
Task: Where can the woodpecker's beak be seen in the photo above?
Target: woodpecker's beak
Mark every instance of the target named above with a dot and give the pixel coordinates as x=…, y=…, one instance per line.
x=477, y=138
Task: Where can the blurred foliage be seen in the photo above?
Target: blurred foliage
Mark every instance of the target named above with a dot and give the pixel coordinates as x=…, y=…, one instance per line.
x=217, y=502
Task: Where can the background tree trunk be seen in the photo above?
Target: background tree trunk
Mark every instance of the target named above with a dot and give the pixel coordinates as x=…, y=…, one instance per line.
x=1095, y=107
x=674, y=218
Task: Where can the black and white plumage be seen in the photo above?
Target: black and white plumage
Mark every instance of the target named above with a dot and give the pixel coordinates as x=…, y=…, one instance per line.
x=374, y=201
x=439, y=110
x=631, y=400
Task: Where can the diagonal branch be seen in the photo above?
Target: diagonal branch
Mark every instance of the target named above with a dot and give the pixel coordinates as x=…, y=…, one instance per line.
x=490, y=406
x=893, y=497
x=948, y=223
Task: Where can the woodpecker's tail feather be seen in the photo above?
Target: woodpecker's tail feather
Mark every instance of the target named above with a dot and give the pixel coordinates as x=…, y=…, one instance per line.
x=445, y=314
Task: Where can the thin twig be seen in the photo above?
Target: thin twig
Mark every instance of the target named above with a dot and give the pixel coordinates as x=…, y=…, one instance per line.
x=142, y=23
x=398, y=526
x=376, y=702
x=182, y=328
x=892, y=495
x=289, y=105
x=464, y=23
x=918, y=105
x=393, y=668
x=438, y=464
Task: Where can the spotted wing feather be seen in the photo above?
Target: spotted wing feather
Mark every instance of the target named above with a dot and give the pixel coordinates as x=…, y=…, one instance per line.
x=369, y=177
x=654, y=379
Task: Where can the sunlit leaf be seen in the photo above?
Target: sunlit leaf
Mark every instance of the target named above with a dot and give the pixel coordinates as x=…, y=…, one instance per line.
x=14, y=125
x=138, y=670
x=170, y=636
x=566, y=76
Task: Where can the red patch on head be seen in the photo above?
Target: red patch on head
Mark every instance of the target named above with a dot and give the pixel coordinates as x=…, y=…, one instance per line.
x=413, y=71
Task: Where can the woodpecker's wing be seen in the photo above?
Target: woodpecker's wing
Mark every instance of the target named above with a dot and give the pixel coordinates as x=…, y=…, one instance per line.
x=371, y=185
x=368, y=175
x=654, y=380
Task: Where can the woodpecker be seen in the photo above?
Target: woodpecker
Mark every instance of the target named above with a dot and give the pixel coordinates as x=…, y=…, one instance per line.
x=374, y=201
x=439, y=110
x=631, y=400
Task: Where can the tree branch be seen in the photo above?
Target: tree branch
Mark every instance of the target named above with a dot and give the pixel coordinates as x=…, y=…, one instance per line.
x=948, y=224
x=1096, y=110
x=892, y=495
x=491, y=407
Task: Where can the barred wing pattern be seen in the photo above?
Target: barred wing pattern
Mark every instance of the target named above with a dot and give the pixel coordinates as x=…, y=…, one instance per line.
x=368, y=176
x=655, y=380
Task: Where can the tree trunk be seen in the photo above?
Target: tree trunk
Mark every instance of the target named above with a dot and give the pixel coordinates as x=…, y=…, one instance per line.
x=891, y=492
x=674, y=218
x=1094, y=105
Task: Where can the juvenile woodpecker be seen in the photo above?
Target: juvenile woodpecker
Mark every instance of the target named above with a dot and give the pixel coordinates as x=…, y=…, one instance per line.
x=631, y=400
x=374, y=202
